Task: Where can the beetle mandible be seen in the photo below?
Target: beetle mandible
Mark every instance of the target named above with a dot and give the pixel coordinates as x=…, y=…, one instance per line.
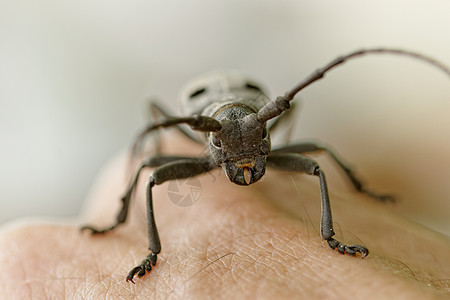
x=232, y=110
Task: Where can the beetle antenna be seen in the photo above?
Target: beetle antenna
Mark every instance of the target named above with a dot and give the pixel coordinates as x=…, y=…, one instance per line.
x=275, y=107
x=197, y=122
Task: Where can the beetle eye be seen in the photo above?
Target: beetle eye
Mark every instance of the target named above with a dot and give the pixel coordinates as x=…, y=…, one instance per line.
x=264, y=133
x=216, y=142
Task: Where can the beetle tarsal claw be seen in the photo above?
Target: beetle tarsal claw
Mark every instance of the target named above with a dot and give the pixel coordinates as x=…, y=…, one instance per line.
x=144, y=267
x=347, y=249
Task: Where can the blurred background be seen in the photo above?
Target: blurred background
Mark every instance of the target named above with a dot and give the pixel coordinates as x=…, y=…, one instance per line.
x=74, y=76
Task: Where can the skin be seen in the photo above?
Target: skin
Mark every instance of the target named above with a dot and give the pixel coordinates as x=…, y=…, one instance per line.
x=260, y=241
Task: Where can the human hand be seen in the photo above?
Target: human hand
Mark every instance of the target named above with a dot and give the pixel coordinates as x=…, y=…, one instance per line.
x=260, y=241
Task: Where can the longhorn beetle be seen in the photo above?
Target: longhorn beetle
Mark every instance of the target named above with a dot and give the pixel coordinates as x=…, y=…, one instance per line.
x=232, y=111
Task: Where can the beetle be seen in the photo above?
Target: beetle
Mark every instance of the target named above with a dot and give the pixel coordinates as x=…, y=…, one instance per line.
x=231, y=112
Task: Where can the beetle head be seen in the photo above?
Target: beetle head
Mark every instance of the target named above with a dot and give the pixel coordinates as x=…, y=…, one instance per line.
x=241, y=148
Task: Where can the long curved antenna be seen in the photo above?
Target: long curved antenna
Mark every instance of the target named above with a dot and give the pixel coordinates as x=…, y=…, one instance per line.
x=275, y=107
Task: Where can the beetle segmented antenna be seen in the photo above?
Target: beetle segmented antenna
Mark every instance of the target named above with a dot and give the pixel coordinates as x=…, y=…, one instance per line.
x=199, y=123
x=275, y=107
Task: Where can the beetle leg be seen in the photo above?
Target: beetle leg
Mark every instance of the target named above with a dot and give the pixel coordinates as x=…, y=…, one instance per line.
x=308, y=147
x=153, y=237
x=299, y=163
x=123, y=213
x=178, y=169
x=153, y=162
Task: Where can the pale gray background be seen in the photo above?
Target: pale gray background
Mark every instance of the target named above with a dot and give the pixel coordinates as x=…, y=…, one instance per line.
x=74, y=76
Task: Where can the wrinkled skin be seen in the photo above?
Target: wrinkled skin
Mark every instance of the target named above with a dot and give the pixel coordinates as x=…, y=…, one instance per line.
x=244, y=242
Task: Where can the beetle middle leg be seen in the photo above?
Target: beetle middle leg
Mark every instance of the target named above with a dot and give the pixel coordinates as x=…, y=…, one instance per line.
x=299, y=163
x=309, y=147
x=153, y=162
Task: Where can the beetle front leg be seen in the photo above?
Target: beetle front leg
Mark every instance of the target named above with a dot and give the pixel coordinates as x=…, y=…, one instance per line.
x=299, y=163
x=326, y=224
x=153, y=237
x=312, y=147
x=173, y=169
